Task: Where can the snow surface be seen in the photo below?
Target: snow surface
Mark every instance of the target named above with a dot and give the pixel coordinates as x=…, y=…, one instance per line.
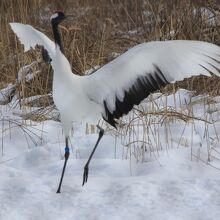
x=6, y=93
x=178, y=179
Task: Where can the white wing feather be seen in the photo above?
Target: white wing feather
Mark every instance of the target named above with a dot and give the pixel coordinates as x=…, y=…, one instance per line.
x=31, y=37
x=176, y=59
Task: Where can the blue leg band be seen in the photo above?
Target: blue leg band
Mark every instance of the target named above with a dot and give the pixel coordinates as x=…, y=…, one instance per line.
x=67, y=150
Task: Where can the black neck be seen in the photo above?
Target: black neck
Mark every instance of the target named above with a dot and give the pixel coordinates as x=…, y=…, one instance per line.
x=56, y=35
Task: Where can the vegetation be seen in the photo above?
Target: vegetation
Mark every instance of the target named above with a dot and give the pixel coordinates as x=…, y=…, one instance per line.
x=103, y=29
x=100, y=31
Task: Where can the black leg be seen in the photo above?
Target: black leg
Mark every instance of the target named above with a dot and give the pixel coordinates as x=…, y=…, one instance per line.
x=67, y=153
x=86, y=168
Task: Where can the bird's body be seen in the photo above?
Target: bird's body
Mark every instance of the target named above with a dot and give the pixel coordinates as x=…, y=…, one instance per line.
x=83, y=97
x=115, y=88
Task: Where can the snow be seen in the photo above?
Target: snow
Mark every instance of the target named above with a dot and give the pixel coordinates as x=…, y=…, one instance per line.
x=6, y=93
x=208, y=15
x=176, y=178
x=26, y=73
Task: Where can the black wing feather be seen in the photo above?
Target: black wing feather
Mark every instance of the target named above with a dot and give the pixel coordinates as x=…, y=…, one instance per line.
x=141, y=88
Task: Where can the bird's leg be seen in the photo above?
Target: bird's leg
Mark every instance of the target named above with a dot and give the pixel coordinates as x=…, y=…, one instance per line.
x=86, y=168
x=66, y=155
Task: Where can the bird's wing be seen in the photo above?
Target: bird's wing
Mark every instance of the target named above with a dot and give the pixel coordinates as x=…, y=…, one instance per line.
x=31, y=37
x=127, y=80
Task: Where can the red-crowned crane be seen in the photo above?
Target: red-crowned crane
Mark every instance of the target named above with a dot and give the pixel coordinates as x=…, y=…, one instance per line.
x=114, y=89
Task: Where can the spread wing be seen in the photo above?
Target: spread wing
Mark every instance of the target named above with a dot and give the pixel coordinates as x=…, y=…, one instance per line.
x=30, y=37
x=127, y=80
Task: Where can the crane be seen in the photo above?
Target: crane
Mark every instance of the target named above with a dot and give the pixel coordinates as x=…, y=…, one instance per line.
x=114, y=89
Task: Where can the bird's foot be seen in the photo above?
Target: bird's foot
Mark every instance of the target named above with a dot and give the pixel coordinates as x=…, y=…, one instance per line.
x=85, y=174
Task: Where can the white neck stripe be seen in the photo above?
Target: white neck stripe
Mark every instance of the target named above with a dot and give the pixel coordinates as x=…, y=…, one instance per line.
x=54, y=16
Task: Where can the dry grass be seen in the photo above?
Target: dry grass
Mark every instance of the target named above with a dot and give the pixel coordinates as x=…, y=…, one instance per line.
x=100, y=28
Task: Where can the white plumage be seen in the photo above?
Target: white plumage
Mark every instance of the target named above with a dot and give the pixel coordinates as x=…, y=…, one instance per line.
x=176, y=59
x=79, y=97
x=112, y=90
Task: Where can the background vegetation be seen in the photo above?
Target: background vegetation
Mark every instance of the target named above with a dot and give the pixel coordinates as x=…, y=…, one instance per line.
x=101, y=30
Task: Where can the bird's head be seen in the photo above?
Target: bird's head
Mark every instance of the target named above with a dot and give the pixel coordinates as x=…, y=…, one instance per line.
x=57, y=17
x=55, y=20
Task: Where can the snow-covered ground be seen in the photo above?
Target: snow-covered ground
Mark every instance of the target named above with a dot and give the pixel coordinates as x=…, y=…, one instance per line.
x=176, y=177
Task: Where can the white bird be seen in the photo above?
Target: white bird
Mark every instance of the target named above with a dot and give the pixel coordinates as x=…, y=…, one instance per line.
x=114, y=89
